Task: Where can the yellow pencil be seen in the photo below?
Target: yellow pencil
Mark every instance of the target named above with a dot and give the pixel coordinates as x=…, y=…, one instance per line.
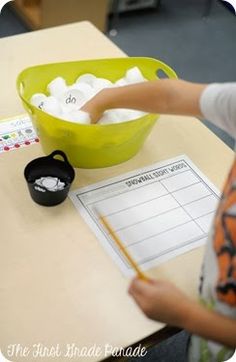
x=132, y=262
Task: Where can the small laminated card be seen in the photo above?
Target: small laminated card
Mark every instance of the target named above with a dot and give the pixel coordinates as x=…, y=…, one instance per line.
x=16, y=132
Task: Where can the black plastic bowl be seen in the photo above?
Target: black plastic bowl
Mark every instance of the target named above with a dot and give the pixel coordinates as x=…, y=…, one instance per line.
x=49, y=166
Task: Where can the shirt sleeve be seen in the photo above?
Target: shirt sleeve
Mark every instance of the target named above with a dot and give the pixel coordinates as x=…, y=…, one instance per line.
x=218, y=105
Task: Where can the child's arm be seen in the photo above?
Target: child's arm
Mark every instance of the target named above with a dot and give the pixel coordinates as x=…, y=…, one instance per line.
x=166, y=96
x=163, y=302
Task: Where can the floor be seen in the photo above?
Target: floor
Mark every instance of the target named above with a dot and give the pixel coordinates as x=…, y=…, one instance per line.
x=198, y=46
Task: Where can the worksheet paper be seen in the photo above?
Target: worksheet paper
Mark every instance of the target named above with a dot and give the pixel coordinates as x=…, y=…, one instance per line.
x=158, y=212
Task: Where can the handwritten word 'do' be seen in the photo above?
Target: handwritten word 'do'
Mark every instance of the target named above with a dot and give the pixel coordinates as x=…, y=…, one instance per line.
x=70, y=99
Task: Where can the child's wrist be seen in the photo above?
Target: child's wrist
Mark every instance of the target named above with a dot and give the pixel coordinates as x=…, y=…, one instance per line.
x=192, y=309
x=103, y=100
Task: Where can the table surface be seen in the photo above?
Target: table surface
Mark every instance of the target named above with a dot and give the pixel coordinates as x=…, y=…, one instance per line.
x=58, y=285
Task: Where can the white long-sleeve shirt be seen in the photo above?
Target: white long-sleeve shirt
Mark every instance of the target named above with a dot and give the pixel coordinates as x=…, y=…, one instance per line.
x=218, y=105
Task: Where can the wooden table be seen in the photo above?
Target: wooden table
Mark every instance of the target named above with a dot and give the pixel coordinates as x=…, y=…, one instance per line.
x=57, y=284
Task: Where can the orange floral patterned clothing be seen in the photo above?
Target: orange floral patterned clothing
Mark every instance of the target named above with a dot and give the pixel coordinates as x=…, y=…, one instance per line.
x=225, y=241
x=218, y=276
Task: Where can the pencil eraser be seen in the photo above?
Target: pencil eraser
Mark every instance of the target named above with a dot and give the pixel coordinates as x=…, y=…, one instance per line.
x=57, y=86
x=38, y=100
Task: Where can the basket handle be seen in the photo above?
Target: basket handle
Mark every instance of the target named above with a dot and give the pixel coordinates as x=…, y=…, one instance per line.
x=162, y=74
x=21, y=89
x=59, y=153
x=161, y=70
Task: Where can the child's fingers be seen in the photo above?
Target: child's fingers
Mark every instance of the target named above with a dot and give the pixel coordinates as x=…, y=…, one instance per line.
x=139, y=298
x=140, y=287
x=143, y=293
x=135, y=287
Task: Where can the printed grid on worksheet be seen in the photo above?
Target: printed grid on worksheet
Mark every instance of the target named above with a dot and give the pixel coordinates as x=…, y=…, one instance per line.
x=156, y=218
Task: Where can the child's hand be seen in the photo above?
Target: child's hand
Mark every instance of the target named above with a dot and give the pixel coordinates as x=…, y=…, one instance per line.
x=93, y=112
x=161, y=301
x=94, y=107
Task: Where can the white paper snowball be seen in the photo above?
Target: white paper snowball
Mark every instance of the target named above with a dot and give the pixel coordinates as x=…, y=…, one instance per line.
x=38, y=100
x=133, y=114
x=121, y=82
x=134, y=75
x=52, y=106
x=76, y=117
x=101, y=83
x=72, y=100
x=85, y=88
x=104, y=120
x=123, y=115
x=87, y=78
x=109, y=117
x=57, y=86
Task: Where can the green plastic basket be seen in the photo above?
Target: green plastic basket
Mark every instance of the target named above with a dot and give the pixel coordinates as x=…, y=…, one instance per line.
x=89, y=146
